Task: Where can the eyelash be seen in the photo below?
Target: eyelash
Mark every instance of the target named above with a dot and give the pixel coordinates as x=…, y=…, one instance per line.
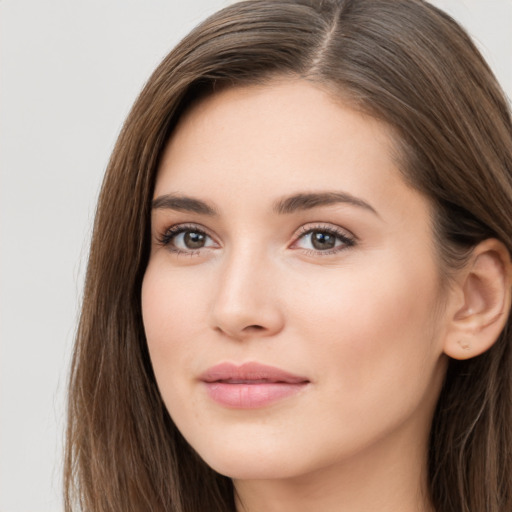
x=169, y=234
x=347, y=240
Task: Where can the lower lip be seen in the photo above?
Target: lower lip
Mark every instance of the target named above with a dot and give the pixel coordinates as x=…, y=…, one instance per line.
x=251, y=396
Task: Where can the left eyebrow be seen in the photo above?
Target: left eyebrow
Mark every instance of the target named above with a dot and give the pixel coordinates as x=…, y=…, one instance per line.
x=307, y=201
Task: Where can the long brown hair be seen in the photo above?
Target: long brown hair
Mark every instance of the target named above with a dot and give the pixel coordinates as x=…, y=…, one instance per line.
x=403, y=62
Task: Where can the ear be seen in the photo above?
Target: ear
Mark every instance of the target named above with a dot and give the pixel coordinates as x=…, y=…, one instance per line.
x=481, y=301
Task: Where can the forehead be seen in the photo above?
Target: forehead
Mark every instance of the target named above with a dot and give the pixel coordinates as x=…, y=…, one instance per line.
x=258, y=143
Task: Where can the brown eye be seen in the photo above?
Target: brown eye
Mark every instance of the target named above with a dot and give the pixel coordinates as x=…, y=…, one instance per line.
x=183, y=239
x=194, y=240
x=322, y=240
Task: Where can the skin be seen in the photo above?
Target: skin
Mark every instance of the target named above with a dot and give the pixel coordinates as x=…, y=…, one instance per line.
x=362, y=322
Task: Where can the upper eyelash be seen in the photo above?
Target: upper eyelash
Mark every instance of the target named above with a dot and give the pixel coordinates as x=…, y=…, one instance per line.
x=166, y=237
x=348, y=240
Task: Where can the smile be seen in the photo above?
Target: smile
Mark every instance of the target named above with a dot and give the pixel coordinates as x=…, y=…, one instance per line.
x=251, y=385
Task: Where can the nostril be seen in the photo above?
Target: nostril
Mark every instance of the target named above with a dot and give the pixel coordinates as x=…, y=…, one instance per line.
x=254, y=328
x=246, y=330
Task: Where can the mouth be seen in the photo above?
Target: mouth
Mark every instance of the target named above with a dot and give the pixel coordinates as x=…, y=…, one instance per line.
x=250, y=385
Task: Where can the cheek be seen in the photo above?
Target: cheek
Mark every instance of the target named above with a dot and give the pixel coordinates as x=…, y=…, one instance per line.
x=369, y=338
x=170, y=299
x=373, y=326
x=171, y=307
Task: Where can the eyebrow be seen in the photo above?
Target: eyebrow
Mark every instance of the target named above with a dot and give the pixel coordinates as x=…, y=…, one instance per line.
x=307, y=201
x=182, y=204
x=287, y=205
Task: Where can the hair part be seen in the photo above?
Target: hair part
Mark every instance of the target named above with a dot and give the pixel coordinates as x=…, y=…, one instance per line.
x=403, y=62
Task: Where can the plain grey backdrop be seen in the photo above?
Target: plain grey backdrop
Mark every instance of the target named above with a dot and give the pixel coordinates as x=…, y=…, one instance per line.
x=69, y=73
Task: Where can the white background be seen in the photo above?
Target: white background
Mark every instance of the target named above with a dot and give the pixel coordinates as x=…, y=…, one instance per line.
x=69, y=73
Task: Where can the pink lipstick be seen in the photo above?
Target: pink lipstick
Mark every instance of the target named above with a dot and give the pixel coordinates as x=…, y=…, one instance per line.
x=250, y=385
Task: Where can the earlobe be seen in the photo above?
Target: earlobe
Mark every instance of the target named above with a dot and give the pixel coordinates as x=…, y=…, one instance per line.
x=485, y=288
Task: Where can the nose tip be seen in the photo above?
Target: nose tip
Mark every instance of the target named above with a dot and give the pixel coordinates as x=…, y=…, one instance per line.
x=245, y=305
x=237, y=323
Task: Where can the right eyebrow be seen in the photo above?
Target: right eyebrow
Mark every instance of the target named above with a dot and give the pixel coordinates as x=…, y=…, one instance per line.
x=182, y=204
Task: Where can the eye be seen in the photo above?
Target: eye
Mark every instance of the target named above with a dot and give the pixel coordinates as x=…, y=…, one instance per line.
x=325, y=240
x=186, y=239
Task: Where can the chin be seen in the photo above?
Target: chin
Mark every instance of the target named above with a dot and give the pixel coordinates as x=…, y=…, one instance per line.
x=252, y=463
x=251, y=470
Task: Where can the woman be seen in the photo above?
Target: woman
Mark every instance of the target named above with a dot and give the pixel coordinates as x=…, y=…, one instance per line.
x=299, y=287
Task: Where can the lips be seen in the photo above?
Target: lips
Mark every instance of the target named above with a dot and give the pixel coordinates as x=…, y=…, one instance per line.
x=250, y=385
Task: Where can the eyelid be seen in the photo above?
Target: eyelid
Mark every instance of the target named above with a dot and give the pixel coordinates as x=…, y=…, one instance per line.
x=165, y=236
x=347, y=237
x=323, y=226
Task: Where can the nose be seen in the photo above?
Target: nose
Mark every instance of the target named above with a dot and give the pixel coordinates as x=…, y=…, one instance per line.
x=246, y=304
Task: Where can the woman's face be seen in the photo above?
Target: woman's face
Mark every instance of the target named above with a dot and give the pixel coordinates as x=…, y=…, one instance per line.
x=283, y=235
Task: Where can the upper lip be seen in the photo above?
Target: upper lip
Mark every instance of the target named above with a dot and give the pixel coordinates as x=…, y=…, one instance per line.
x=250, y=372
